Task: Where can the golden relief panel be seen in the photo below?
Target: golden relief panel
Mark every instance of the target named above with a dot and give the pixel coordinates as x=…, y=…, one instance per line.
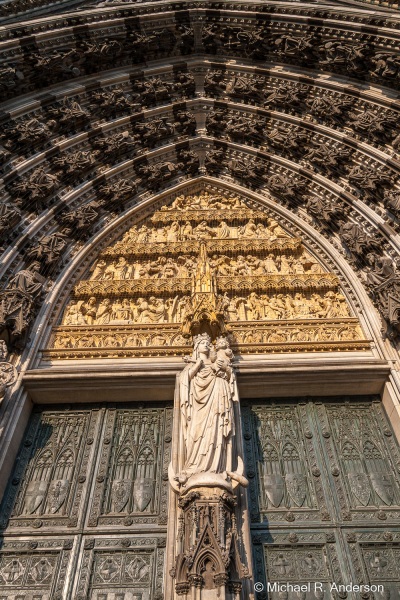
x=206, y=263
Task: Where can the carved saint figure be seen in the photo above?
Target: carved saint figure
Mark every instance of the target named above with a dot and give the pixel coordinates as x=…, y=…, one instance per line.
x=206, y=394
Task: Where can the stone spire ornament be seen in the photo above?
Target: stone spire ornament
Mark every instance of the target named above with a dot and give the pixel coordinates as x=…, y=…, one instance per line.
x=205, y=471
x=206, y=315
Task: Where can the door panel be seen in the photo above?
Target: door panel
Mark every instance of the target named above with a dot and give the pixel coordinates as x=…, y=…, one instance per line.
x=95, y=471
x=35, y=569
x=316, y=469
x=130, y=483
x=121, y=568
x=53, y=470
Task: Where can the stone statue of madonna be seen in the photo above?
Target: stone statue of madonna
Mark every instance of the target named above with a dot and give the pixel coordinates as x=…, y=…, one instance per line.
x=205, y=452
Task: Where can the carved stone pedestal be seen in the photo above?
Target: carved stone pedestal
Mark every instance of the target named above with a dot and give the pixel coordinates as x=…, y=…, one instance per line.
x=208, y=564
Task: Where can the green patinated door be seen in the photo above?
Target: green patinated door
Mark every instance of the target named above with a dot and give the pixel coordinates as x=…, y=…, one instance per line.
x=324, y=498
x=85, y=513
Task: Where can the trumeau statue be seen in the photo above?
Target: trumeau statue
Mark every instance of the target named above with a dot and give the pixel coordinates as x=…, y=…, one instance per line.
x=207, y=398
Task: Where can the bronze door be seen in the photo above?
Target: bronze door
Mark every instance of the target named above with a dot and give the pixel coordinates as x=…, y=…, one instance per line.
x=85, y=513
x=324, y=499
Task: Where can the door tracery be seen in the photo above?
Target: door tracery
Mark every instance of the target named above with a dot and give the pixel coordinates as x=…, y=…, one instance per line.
x=344, y=490
x=88, y=495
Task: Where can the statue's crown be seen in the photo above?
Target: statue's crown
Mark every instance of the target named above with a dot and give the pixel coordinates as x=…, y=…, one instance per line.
x=201, y=336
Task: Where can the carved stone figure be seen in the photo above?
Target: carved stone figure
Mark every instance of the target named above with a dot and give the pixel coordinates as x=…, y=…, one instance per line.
x=82, y=219
x=112, y=103
x=346, y=57
x=330, y=108
x=56, y=63
x=284, y=187
x=290, y=140
x=287, y=95
x=10, y=77
x=327, y=158
x=10, y=216
x=115, y=145
x=245, y=129
x=8, y=372
x=153, y=175
x=356, y=239
x=68, y=114
x=188, y=161
x=368, y=179
x=184, y=85
x=252, y=42
x=216, y=122
x=48, y=249
x=386, y=65
x=25, y=132
x=185, y=123
x=73, y=315
x=295, y=46
x=76, y=162
x=392, y=201
x=214, y=161
x=215, y=83
x=106, y=51
x=154, y=130
x=103, y=313
x=245, y=169
x=380, y=270
x=18, y=300
x=206, y=393
x=323, y=210
x=117, y=193
x=36, y=186
x=375, y=125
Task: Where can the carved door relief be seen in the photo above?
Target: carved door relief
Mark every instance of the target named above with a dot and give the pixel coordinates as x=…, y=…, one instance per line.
x=84, y=472
x=130, y=483
x=34, y=569
x=363, y=460
x=52, y=471
x=376, y=561
x=121, y=568
x=284, y=465
x=317, y=467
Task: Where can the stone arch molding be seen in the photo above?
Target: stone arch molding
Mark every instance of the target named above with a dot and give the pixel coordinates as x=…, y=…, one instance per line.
x=88, y=118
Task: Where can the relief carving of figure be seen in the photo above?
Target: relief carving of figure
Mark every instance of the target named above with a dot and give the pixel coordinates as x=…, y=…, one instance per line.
x=206, y=395
x=19, y=297
x=104, y=312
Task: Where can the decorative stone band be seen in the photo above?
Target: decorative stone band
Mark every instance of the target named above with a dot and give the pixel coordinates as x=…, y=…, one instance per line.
x=232, y=245
x=282, y=283
x=230, y=216
x=312, y=335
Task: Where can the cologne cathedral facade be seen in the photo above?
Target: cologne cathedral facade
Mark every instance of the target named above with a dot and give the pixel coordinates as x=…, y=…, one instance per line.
x=199, y=300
